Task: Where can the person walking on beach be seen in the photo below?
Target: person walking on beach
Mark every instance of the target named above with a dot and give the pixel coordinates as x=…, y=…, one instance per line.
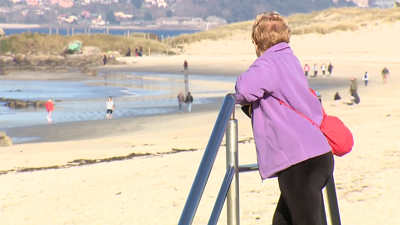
x=110, y=107
x=366, y=78
x=323, y=68
x=185, y=66
x=315, y=70
x=385, y=74
x=104, y=58
x=181, y=101
x=288, y=146
x=330, y=68
x=49, y=107
x=355, y=99
x=306, y=69
x=189, y=101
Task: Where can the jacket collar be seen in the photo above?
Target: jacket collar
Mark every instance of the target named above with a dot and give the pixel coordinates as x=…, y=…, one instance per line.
x=281, y=47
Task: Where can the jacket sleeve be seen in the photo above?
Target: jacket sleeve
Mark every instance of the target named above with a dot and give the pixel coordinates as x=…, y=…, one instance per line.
x=255, y=82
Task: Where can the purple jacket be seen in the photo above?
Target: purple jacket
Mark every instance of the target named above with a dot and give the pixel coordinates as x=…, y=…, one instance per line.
x=283, y=138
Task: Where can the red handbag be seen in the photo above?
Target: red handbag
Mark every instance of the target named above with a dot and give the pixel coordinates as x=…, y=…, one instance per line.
x=338, y=135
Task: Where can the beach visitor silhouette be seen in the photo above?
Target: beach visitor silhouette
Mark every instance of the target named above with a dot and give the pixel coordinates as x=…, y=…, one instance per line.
x=181, y=100
x=306, y=69
x=185, y=66
x=355, y=99
x=330, y=68
x=337, y=98
x=50, y=108
x=366, y=78
x=288, y=145
x=189, y=101
x=385, y=74
x=323, y=68
x=128, y=54
x=315, y=69
x=110, y=107
x=104, y=58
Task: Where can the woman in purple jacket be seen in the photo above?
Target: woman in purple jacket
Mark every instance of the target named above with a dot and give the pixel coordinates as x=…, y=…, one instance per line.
x=288, y=145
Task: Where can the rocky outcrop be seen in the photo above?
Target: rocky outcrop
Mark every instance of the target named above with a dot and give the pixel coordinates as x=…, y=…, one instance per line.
x=89, y=72
x=5, y=140
x=91, y=50
x=19, y=104
x=4, y=71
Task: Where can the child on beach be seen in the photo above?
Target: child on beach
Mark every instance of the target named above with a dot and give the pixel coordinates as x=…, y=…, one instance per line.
x=110, y=107
x=49, y=107
x=385, y=74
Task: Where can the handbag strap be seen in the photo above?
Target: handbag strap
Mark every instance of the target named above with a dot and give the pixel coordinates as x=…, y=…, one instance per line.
x=290, y=107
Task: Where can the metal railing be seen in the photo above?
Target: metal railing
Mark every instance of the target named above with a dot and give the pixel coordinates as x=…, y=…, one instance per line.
x=229, y=190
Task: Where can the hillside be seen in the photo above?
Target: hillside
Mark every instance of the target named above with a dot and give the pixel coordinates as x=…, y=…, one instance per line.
x=321, y=22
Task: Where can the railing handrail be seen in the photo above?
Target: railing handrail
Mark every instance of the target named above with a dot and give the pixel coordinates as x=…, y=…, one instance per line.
x=208, y=159
x=230, y=186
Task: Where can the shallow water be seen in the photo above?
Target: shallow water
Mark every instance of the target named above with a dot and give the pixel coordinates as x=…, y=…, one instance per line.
x=134, y=94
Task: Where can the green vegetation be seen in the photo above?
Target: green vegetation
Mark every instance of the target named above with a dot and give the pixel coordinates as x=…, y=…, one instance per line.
x=26, y=42
x=148, y=16
x=110, y=17
x=321, y=22
x=137, y=3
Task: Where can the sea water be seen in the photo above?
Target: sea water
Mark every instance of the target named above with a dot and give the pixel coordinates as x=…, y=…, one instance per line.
x=134, y=94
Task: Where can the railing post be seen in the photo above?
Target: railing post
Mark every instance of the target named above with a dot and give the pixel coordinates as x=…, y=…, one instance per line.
x=232, y=160
x=333, y=205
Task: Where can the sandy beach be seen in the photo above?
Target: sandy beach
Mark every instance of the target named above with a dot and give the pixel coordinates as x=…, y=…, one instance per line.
x=140, y=170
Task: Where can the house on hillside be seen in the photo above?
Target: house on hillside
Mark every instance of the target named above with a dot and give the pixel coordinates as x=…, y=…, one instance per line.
x=155, y=3
x=66, y=3
x=85, y=14
x=24, y=12
x=32, y=2
x=119, y=15
x=53, y=2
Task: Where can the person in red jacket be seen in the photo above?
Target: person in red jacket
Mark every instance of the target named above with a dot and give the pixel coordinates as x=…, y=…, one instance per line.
x=306, y=69
x=49, y=107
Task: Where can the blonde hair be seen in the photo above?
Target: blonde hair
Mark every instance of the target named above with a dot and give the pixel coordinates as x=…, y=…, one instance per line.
x=270, y=29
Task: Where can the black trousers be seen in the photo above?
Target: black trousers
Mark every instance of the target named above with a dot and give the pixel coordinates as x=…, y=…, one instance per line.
x=301, y=191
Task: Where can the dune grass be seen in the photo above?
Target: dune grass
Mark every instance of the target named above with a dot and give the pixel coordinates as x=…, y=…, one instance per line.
x=34, y=42
x=320, y=22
